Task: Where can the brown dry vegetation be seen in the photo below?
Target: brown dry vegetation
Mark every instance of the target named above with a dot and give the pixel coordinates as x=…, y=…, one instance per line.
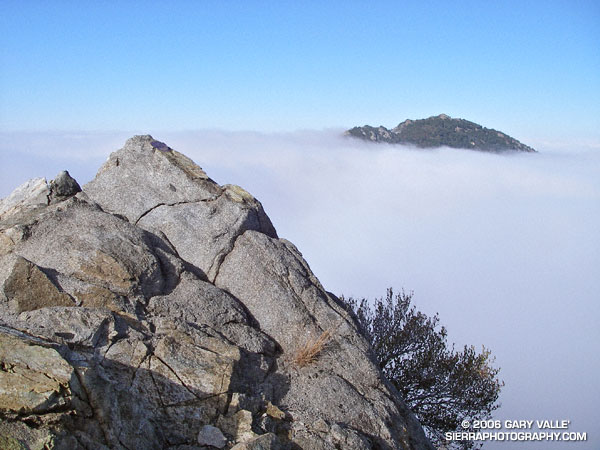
x=309, y=352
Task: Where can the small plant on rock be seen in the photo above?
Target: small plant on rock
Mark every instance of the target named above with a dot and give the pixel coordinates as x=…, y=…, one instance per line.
x=309, y=352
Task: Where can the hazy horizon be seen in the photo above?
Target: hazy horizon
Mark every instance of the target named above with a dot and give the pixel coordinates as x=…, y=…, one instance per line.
x=504, y=247
x=531, y=70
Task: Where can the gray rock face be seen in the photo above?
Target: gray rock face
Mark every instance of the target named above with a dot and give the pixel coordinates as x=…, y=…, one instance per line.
x=211, y=436
x=216, y=223
x=146, y=173
x=30, y=195
x=157, y=309
x=63, y=186
x=34, y=195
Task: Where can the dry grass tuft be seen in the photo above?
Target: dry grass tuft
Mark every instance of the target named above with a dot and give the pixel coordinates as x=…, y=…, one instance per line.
x=311, y=350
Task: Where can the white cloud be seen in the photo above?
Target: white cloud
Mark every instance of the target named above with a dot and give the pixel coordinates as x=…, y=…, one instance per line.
x=505, y=247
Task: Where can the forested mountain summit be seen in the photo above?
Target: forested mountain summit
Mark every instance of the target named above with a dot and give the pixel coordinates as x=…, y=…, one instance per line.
x=441, y=131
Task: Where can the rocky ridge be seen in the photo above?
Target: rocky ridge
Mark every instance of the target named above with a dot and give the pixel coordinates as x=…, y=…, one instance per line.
x=441, y=131
x=156, y=309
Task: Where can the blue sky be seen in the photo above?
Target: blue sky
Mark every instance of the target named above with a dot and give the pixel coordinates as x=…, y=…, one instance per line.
x=506, y=249
x=531, y=69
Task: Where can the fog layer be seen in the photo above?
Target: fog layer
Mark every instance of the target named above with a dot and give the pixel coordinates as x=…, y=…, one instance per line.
x=505, y=247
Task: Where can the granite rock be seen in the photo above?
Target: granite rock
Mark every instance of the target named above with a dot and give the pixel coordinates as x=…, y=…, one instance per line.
x=157, y=309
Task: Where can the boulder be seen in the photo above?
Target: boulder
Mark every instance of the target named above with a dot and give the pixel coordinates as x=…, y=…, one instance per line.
x=28, y=288
x=97, y=257
x=63, y=186
x=212, y=437
x=145, y=174
x=33, y=379
x=216, y=223
x=266, y=441
x=34, y=195
x=31, y=195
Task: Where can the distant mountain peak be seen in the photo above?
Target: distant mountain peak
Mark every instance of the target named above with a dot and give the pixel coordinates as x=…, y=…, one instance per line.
x=441, y=131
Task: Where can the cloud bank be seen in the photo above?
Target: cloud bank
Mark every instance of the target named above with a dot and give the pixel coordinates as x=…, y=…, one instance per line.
x=505, y=247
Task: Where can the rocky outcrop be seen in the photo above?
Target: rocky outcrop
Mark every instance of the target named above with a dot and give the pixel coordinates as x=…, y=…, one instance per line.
x=157, y=309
